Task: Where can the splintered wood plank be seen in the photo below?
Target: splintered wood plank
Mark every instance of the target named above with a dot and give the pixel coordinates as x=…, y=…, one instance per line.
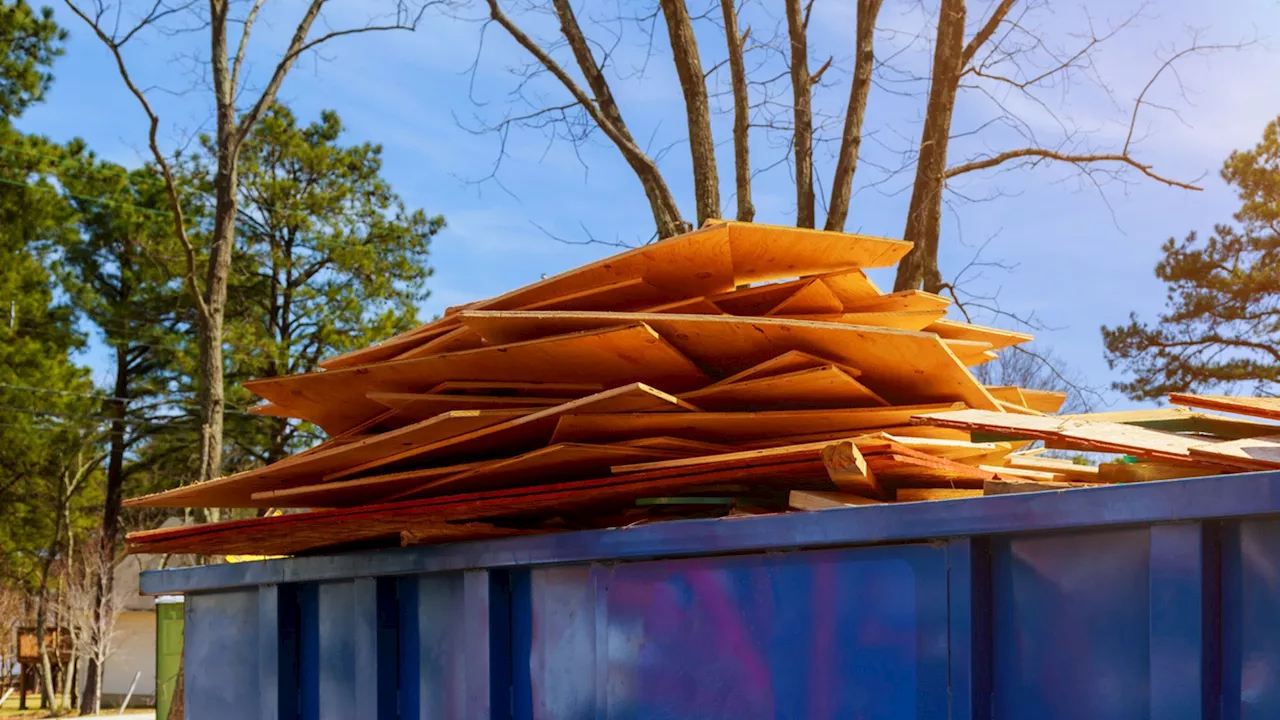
x=559, y=463
x=237, y=490
x=1184, y=420
x=517, y=389
x=1127, y=472
x=902, y=301
x=1008, y=472
x=1009, y=486
x=688, y=447
x=413, y=407
x=1084, y=434
x=524, y=433
x=826, y=386
x=732, y=427
x=926, y=494
x=633, y=294
x=788, y=362
x=999, y=339
x=1073, y=471
x=959, y=450
x=335, y=400
x=811, y=298
x=826, y=499
x=848, y=469
x=1267, y=408
x=452, y=341
x=901, y=366
x=914, y=320
x=692, y=306
x=1259, y=453
x=362, y=491
x=905, y=467
x=296, y=533
x=387, y=349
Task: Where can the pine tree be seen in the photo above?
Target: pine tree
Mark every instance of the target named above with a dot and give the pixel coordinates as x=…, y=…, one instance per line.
x=1221, y=325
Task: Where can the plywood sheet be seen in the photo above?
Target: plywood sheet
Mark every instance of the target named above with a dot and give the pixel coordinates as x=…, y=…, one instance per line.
x=1072, y=471
x=455, y=340
x=1259, y=453
x=826, y=386
x=414, y=407
x=626, y=295
x=335, y=400
x=999, y=339
x=680, y=445
x=237, y=490
x=768, y=252
x=387, y=349
x=521, y=434
x=811, y=298
x=911, y=320
x=759, y=299
x=517, y=389
x=745, y=458
x=902, y=301
x=1267, y=408
x=901, y=366
x=790, y=361
x=692, y=306
x=1097, y=436
x=362, y=491
x=850, y=287
x=826, y=499
x=1045, y=401
x=926, y=494
x=732, y=426
x=554, y=463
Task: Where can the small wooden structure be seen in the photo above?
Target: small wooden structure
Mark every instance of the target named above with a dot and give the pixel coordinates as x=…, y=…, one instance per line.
x=61, y=656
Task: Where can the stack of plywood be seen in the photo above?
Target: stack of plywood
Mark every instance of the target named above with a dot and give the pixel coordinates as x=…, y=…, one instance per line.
x=736, y=369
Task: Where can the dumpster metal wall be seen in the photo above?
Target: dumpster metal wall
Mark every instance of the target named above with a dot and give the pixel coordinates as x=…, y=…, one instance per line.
x=1159, y=600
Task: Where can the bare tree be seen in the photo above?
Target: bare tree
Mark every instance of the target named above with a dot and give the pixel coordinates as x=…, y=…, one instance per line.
x=1040, y=368
x=238, y=108
x=599, y=106
x=736, y=41
x=684, y=50
x=802, y=99
x=851, y=137
x=93, y=605
x=1006, y=56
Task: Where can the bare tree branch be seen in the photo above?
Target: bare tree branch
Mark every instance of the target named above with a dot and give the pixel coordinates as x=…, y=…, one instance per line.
x=802, y=132
x=1042, y=154
x=741, y=110
x=684, y=50
x=851, y=138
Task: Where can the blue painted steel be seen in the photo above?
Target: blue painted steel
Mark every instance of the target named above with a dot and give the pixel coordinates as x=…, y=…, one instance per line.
x=1072, y=617
x=1250, y=619
x=1155, y=601
x=220, y=655
x=817, y=634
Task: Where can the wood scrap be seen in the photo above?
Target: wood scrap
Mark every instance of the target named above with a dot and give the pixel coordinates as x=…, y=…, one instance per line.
x=826, y=386
x=1008, y=486
x=787, y=362
x=811, y=298
x=1267, y=408
x=1130, y=472
x=926, y=494
x=825, y=500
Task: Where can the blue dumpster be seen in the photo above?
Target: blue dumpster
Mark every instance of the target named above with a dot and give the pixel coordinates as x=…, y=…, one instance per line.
x=1157, y=600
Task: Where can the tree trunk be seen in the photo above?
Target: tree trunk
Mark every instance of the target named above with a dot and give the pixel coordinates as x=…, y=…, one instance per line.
x=851, y=139
x=68, y=681
x=741, y=111
x=42, y=621
x=802, y=137
x=924, y=215
x=684, y=50
x=91, y=703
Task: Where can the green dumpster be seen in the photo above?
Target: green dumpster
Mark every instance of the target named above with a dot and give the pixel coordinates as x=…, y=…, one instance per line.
x=169, y=623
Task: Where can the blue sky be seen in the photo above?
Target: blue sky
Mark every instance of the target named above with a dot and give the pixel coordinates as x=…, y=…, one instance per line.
x=1084, y=256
